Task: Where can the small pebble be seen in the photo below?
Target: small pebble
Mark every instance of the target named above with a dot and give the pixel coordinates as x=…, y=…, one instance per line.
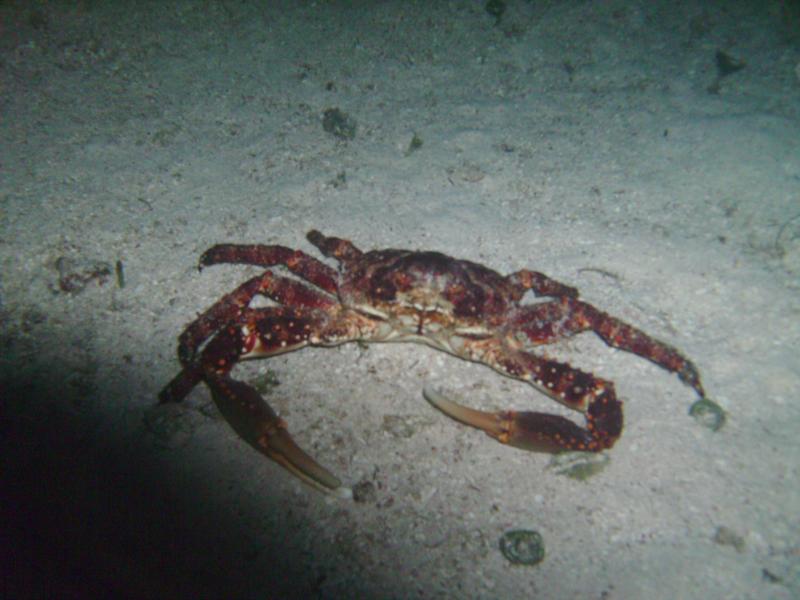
x=364, y=491
x=579, y=465
x=709, y=414
x=522, y=546
x=339, y=124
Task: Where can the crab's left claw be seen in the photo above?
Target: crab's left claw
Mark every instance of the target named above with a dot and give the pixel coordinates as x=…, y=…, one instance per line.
x=255, y=421
x=539, y=432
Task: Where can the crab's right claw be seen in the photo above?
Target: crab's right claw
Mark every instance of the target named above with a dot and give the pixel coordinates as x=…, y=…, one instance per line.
x=538, y=432
x=255, y=421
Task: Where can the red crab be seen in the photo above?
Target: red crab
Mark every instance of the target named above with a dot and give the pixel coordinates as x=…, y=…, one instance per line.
x=390, y=295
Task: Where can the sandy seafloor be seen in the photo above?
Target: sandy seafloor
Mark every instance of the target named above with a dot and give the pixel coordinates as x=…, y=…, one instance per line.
x=593, y=141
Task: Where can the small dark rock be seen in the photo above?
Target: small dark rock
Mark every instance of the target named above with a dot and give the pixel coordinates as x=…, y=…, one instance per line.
x=364, y=491
x=496, y=8
x=339, y=124
x=726, y=64
x=522, y=546
x=708, y=413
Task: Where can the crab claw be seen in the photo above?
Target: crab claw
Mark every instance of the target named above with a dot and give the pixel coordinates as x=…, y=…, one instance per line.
x=538, y=432
x=259, y=425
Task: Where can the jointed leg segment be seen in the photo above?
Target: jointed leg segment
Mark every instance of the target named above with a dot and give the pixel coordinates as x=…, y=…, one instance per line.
x=547, y=322
x=595, y=398
x=229, y=309
x=237, y=332
x=592, y=396
x=298, y=262
x=256, y=332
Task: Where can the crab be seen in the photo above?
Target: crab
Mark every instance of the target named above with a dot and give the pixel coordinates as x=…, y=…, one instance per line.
x=457, y=306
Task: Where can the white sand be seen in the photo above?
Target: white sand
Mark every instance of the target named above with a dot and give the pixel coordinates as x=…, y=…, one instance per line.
x=579, y=139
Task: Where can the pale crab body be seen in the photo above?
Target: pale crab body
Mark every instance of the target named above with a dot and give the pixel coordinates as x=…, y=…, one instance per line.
x=424, y=297
x=453, y=305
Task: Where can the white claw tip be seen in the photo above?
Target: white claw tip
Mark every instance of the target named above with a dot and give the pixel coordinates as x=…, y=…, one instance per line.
x=430, y=394
x=345, y=493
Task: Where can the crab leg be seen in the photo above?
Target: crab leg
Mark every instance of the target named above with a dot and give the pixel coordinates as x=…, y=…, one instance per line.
x=535, y=431
x=342, y=250
x=540, y=284
x=228, y=309
x=262, y=332
x=252, y=333
x=258, y=424
x=231, y=306
x=546, y=322
x=180, y=385
x=298, y=262
x=592, y=396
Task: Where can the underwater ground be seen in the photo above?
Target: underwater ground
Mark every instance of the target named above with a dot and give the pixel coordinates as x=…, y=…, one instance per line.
x=647, y=153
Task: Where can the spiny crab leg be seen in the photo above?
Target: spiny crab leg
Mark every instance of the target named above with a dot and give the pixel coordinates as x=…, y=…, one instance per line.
x=301, y=264
x=263, y=332
x=546, y=322
x=256, y=332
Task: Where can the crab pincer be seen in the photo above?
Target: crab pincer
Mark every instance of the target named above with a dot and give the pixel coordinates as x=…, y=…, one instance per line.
x=540, y=432
x=257, y=423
